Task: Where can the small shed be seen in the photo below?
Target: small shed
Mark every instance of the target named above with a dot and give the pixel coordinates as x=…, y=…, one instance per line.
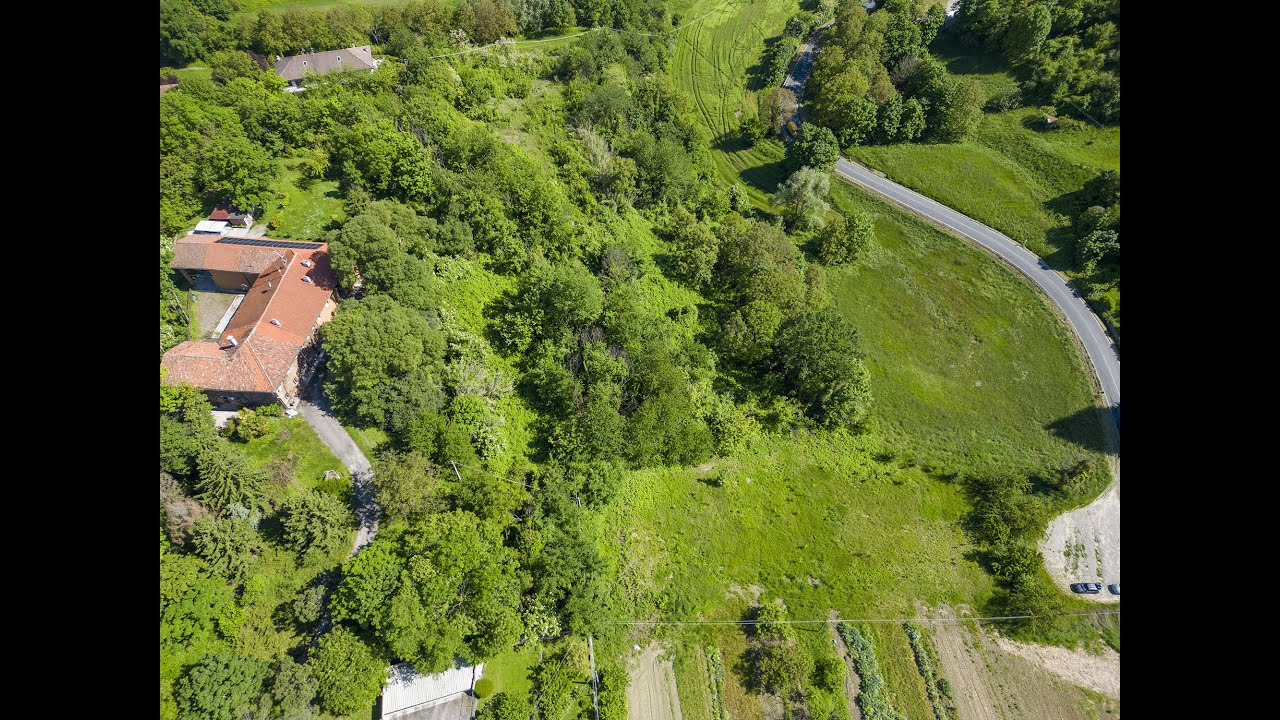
x=232, y=216
x=211, y=227
x=443, y=696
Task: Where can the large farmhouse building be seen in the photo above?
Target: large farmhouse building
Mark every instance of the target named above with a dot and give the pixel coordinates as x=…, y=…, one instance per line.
x=295, y=68
x=288, y=290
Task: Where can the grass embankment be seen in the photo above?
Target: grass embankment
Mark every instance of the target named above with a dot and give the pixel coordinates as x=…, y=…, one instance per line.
x=1012, y=174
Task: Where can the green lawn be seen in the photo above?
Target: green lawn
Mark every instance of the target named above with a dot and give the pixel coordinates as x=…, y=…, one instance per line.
x=906, y=687
x=1012, y=174
x=509, y=671
x=294, y=435
x=194, y=73
x=304, y=213
x=367, y=439
x=715, y=58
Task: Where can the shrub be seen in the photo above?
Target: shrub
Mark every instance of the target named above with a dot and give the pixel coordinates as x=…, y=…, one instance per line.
x=484, y=687
x=1004, y=100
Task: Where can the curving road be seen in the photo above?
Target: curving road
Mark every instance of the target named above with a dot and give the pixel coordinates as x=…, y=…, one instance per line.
x=1101, y=350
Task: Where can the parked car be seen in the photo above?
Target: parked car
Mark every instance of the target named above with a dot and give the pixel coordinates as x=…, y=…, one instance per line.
x=1114, y=588
x=1091, y=588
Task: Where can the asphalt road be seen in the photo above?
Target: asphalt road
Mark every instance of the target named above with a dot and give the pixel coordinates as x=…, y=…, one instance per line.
x=1101, y=350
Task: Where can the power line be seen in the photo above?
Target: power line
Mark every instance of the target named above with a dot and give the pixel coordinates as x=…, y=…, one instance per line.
x=852, y=620
x=585, y=32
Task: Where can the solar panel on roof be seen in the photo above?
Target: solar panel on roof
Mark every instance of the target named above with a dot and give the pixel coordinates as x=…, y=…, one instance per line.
x=264, y=242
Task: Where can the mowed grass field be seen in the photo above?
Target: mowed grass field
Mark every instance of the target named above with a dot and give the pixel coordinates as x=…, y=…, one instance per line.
x=1012, y=174
x=715, y=65
x=970, y=367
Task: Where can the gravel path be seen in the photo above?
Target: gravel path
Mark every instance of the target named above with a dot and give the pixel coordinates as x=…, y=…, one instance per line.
x=315, y=409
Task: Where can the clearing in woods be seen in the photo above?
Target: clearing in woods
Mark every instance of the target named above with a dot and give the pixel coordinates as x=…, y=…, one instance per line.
x=651, y=693
x=990, y=682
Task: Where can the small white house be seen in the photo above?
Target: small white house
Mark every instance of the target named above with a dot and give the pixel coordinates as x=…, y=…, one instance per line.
x=407, y=693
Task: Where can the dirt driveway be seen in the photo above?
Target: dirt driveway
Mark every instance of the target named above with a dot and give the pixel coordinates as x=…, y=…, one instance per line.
x=1084, y=545
x=993, y=678
x=651, y=695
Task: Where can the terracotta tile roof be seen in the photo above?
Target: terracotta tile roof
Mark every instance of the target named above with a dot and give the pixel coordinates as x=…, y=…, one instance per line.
x=219, y=213
x=204, y=252
x=264, y=351
x=295, y=67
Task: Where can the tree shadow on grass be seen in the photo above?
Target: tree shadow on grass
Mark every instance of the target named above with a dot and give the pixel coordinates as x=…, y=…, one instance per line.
x=1081, y=428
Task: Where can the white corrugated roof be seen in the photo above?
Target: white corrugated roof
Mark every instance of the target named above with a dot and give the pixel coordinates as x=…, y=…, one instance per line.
x=405, y=688
x=211, y=226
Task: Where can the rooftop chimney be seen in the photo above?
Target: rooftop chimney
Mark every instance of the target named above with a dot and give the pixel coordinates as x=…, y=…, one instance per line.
x=275, y=322
x=306, y=263
x=306, y=279
x=232, y=338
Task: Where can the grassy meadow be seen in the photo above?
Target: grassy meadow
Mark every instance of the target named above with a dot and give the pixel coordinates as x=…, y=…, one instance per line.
x=1012, y=174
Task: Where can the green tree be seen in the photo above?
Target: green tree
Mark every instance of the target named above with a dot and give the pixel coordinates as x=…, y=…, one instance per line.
x=348, y=674
x=829, y=670
x=913, y=120
x=845, y=238
x=226, y=477
x=803, y=198
x=186, y=34
x=384, y=362
x=233, y=64
x=446, y=587
x=771, y=621
x=316, y=521
x=235, y=168
x=1099, y=245
x=777, y=106
x=783, y=665
x=814, y=146
x=1028, y=29
x=229, y=544
x=292, y=689
x=494, y=19
x=694, y=248
x=221, y=687
x=821, y=364
x=407, y=484
x=505, y=706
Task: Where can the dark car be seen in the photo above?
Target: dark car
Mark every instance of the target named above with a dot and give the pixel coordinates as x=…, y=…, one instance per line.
x=1089, y=587
x=1114, y=588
